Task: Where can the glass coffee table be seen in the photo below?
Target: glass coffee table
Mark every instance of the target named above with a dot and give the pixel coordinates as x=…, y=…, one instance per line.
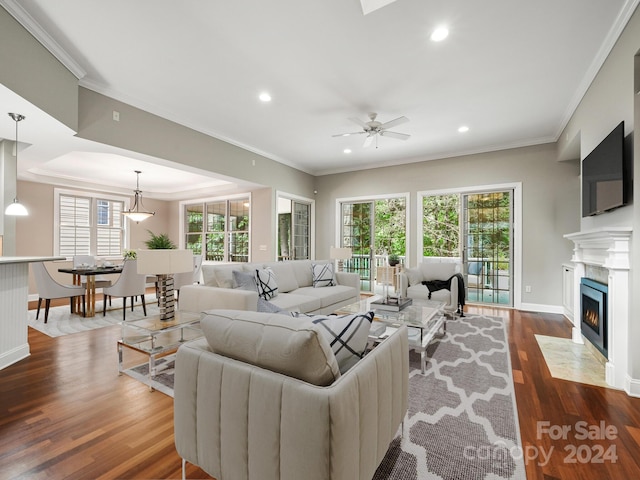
x=423, y=318
x=155, y=337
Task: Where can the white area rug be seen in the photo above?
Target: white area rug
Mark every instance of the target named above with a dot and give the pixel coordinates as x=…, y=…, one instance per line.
x=63, y=322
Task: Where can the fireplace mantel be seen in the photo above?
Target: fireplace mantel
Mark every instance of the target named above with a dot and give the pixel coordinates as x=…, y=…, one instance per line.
x=608, y=248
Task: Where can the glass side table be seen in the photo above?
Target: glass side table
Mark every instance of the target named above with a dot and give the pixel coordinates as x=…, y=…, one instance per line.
x=154, y=337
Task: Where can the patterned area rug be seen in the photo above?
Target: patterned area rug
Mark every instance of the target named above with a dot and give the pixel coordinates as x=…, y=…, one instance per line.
x=62, y=322
x=462, y=420
x=163, y=380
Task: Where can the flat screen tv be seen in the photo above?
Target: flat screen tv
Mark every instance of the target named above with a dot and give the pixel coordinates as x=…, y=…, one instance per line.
x=606, y=175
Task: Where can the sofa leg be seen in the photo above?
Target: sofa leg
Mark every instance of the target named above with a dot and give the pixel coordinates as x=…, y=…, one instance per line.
x=184, y=469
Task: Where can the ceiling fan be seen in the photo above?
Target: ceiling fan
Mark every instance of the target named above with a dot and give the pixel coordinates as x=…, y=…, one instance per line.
x=372, y=129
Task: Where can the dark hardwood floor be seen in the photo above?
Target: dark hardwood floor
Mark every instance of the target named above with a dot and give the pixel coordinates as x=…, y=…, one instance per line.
x=66, y=414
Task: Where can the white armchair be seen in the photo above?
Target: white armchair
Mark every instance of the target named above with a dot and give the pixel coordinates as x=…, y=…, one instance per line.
x=411, y=279
x=266, y=400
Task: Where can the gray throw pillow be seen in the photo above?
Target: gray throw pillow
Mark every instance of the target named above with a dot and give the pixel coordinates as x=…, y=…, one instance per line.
x=244, y=281
x=268, y=307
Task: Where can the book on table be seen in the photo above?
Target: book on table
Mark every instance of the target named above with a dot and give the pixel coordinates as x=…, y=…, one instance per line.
x=393, y=304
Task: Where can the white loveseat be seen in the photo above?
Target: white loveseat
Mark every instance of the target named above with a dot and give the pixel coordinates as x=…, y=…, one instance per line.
x=294, y=280
x=432, y=269
x=261, y=397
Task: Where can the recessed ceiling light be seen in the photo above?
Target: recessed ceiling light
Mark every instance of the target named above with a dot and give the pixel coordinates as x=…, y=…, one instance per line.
x=265, y=97
x=347, y=150
x=439, y=34
x=463, y=129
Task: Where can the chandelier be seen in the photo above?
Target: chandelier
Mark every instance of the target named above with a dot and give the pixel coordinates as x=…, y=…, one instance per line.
x=137, y=213
x=16, y=208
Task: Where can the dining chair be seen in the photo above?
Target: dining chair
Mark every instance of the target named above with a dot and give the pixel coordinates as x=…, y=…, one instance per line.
x=129, y=284
x=188, y=278
x=80, y=260
x=49, y=289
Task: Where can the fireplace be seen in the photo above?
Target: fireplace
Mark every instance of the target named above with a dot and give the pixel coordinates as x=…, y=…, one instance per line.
x=593, y=317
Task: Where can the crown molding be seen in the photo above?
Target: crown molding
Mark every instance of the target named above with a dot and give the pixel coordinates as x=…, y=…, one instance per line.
x=28, y=22
x=609, y=42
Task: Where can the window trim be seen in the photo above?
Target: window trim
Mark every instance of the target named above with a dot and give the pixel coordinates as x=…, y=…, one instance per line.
x=57, y=192
x=312, y=220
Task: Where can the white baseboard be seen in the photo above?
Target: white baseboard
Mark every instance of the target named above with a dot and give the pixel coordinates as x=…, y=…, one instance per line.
x=539, y=307
x=13, y=356
x=632, y=386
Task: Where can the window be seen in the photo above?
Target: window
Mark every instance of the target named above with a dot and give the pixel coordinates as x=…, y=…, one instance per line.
x=89, y=225
x=218, y=229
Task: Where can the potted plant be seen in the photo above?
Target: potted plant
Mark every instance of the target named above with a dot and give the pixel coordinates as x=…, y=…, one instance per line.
x=130, y=254
x=393, y=260
x=159, y=242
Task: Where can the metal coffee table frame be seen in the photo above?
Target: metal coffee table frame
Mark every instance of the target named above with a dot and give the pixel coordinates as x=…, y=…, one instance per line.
x=425, y=316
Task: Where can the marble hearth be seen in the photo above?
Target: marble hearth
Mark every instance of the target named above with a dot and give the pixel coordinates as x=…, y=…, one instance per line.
x=607, y=249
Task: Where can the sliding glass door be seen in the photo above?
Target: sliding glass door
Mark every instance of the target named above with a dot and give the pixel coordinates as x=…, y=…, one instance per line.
x=357, y=233
x=294, y=228
x=373, y=229
x=476, y=228
x=487, y=232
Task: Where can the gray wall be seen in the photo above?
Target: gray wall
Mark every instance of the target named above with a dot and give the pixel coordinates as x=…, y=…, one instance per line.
x=28, y=69
x=550, y=191
x=610, y=99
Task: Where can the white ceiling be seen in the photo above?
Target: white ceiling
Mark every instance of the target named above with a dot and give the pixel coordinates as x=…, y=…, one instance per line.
x=512, y=71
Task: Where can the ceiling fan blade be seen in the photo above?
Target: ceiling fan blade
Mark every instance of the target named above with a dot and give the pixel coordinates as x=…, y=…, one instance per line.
x=359, y=122
x=367, y=141
x=399, y=136
x=393, y=123
x=348, y=134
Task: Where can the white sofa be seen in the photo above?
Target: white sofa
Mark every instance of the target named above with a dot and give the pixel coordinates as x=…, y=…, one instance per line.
x=294, y=280
x=260, y=397
x=432, y=269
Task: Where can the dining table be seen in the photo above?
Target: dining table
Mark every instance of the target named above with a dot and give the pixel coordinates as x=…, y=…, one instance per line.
x=90, y=274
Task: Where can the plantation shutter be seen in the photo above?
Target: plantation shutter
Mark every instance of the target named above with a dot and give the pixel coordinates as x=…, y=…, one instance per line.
x=109, y=230
x=83, y=231
x=75, y=225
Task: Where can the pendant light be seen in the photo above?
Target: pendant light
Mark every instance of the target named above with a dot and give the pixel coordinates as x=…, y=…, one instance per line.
x=16, y=208
x=137, y=213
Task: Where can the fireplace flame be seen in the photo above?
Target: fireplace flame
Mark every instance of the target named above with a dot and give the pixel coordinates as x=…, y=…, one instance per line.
x=591, y=318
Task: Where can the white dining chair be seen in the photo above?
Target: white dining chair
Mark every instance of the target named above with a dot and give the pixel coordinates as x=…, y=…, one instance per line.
x=129, y=284
x=49, y=289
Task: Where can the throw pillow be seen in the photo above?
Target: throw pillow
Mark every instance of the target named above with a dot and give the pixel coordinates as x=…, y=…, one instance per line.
x=323, y=275
x=285, y=276
x=276, y=342
x=414, y=275
x=244, y=281
x=266, y=281
x=347, y=335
